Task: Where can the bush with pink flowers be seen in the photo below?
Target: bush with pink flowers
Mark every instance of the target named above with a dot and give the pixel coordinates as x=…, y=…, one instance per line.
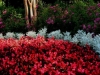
x=1, y=25
x=41, y=56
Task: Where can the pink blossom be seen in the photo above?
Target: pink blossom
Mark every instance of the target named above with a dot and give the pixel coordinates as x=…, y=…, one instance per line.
x=50, y=21
x=4, y=12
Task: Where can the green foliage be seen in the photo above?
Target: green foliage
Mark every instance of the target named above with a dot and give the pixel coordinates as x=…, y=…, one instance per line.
x=78, y=14
x=43, y=14
x=68, y=17
x=13, y=20
x=48, y=13
x=0, y=3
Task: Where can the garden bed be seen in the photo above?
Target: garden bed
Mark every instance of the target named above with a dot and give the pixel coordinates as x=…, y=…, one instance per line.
x=33, y=56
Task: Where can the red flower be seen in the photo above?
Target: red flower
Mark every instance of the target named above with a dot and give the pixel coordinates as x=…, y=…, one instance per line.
x=11, y=72
x=46, y=56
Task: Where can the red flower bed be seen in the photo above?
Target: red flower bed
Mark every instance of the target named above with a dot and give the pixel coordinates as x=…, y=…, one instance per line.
x=40, y=56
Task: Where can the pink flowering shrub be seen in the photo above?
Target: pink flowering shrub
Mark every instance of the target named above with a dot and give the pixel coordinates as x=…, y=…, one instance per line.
x=12, y=20
x=53, y=17
x=79, y=15
x=41, y=56
x=1, y=25
x=93, y=23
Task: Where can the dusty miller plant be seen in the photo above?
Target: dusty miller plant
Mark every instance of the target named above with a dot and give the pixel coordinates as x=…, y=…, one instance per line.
x=42, y=32
x=31, y=33
x=56, y=34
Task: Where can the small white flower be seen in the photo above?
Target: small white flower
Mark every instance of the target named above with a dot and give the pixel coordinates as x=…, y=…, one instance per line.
x=1, y=36
x=42, y=32
x=9, y=35
x=56, y=34
x=96, y=47
x=19, y=35
x=96, y=43
x=75, y=40
x=67, y=36
x=31, y=33
x=80, y=34
x=86, y=39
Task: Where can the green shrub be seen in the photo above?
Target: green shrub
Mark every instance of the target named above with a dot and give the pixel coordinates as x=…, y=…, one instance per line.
x=13, y=20
x=91, y=23
x=69, y=17
x=72, y=17
x=51, y=16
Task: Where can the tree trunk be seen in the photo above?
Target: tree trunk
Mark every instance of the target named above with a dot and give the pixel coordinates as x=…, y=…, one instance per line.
x=30, y=11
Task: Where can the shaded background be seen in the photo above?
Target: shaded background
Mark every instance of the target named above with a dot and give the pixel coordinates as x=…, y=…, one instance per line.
x=19, y=3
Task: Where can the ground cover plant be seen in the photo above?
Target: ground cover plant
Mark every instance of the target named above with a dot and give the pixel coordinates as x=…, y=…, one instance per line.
x=46, y=57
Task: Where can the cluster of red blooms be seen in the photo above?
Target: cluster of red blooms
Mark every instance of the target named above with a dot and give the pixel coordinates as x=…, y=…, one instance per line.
x=41, y=56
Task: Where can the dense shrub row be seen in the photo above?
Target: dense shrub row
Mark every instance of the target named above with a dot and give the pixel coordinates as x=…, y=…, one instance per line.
x=12, y=20
x=41, y=56
x=19, y=3
x=79, y=15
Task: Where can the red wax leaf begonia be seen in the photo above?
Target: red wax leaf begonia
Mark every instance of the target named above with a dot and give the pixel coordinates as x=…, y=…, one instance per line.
x=41, y=56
